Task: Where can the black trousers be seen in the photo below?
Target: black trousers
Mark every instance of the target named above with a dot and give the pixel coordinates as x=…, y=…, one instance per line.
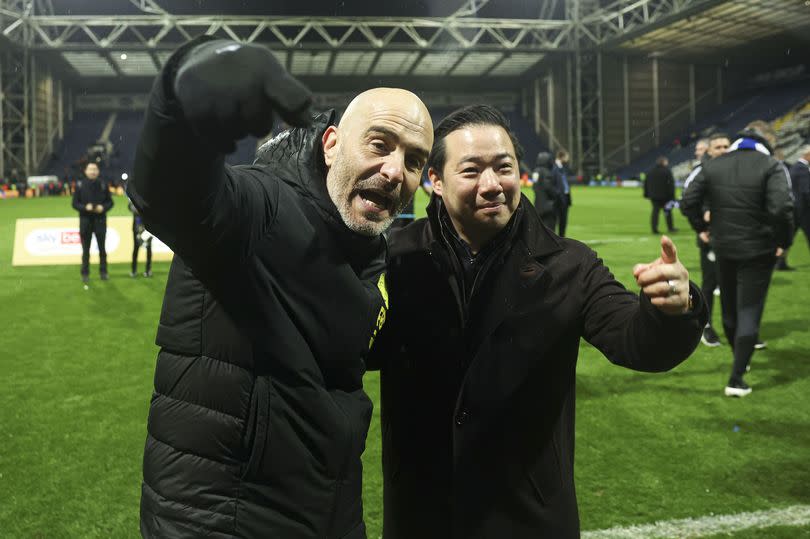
x=89, y=225
x=802, y=221
x=657, y=206
x=136, y=246
x=562, y=218
x=549, y=219
x=743, y=289
x=709, y=282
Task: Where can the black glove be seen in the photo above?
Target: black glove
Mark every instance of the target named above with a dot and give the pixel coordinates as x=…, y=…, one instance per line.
x=228, y=90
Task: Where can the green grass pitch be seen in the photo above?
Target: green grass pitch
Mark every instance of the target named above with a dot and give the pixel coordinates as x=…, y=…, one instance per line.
x=77, y=369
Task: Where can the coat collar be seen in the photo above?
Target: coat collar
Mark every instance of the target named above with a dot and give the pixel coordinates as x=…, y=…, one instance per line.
x=422, y=236
x=516, y=281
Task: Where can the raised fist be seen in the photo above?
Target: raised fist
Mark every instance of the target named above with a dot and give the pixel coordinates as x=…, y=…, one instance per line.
x=228, y=90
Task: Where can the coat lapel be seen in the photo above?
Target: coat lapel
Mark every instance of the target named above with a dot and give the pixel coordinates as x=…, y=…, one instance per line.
x=521, y=281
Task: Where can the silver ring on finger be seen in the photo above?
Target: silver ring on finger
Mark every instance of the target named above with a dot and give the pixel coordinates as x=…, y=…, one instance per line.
x=672, y=288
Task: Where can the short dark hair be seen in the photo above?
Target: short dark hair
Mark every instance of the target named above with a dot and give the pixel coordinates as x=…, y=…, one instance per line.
x=91, y=163
x=716, y=136
x=461, y=118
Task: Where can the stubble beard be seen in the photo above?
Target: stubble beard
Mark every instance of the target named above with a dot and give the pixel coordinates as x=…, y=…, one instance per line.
x=342, y=191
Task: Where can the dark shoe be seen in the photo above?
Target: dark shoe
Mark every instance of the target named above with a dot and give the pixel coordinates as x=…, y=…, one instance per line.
x=105, y=277
x=760, y=345
x=710, y=337
x=784, y=267
x=737, y=389
x=673, y=230
x=85, y=279
x=147, y=273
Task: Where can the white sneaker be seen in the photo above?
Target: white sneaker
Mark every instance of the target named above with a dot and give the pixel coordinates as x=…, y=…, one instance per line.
x=717, y=291
x=738, y=390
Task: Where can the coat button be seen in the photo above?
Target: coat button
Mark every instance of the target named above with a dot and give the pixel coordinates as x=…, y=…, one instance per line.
x=462, y=416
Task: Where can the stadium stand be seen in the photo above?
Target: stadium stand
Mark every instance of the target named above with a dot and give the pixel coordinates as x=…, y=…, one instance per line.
x=769, y=104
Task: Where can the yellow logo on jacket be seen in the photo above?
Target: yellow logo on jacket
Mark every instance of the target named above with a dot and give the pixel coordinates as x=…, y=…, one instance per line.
x=383, y=310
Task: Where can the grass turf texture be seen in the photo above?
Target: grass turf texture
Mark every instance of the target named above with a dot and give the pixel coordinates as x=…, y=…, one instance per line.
x=77, y=369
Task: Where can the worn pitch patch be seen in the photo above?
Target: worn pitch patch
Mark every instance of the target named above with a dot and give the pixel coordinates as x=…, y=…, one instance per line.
x=796, y=515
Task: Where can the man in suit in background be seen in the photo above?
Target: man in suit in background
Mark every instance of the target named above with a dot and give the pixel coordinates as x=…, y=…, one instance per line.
x=560, y=175
x=660, y=189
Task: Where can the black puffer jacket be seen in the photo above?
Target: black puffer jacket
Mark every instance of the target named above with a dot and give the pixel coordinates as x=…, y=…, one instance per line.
x=258, y=418
x=749, y=195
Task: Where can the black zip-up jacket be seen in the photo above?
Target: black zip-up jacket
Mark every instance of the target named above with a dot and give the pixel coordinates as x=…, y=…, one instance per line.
x=92, y=192
x=749, y=195
x=660, y=184
x=258, y=417
x=478, y=395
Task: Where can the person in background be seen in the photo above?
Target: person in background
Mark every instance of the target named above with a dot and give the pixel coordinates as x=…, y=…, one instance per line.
x=748, y=194
x=660, y=189
x=717, y=145
x=701, y=147
x=546, y=194
x=800, y=181
x=564, y=201
x=92, y=200
x=140, y=236
x=478, y=369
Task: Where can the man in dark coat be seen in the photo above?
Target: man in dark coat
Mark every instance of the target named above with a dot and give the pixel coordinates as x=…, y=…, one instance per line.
x=716, y=146
x=92, y=200
x=800, y=180
x=748, y=194
x=560, y=179
x=258, y=418
x=546, y=193
x=660, y=189
x=478, y=369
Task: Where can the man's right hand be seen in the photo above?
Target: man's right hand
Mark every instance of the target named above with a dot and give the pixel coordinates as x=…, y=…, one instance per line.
x=228, y=90
x=704, y=237
x=88, y=207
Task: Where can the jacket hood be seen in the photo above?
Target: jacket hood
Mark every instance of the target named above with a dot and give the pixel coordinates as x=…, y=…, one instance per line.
x=757, y=136
x=297, y=159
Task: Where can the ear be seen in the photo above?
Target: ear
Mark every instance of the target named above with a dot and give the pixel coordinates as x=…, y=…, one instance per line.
x=436, y=180
x=329, y=144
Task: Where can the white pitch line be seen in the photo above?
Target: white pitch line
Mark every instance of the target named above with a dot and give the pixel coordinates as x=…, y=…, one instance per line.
x=796, y=515
x=615, y=240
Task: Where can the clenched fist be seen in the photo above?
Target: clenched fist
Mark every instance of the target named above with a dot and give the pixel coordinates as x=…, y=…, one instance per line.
x=228, y=90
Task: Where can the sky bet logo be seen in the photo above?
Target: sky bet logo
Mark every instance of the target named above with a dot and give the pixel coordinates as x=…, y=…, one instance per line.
x=71, y=237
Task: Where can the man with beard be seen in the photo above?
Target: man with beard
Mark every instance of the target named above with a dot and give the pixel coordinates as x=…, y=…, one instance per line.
x=478, y=369
x=258, y=417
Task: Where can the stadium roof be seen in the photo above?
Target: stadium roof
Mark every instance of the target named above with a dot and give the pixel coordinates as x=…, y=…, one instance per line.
x=502, y=39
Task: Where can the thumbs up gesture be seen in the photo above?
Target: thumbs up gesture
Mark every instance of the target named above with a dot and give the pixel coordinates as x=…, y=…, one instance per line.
x=665, y=280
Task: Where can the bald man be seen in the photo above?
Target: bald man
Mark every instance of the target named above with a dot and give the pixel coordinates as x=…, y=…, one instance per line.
x=276, y=293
